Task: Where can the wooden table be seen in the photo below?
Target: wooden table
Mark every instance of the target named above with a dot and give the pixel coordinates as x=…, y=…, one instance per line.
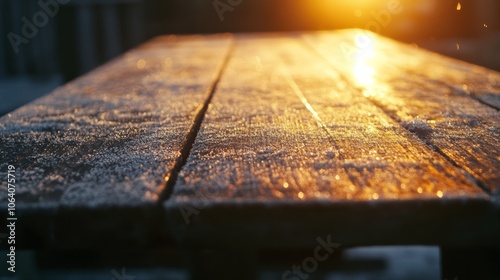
x=252, y=141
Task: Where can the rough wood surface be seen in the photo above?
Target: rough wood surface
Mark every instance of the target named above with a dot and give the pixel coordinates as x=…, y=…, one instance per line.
x=289, y=145
x=481, y=83
x=287, y=142
x=469, y=79
x=420, y=90
x=110, y=138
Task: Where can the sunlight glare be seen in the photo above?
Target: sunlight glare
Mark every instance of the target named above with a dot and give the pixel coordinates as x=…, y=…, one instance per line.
x=362, y=71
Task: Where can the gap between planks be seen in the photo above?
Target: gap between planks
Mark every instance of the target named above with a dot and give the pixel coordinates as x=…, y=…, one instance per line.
x=472, y=178
x=251, y=161
x=472, y=95
x=185, y=151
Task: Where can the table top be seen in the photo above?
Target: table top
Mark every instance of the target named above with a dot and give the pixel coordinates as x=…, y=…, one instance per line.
x=198, y=137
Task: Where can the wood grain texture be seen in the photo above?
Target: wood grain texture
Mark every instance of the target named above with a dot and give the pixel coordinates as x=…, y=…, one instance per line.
x=109, y=139
x=419, y=90
x=296, y=144
x=476, y=81
x=289, y=145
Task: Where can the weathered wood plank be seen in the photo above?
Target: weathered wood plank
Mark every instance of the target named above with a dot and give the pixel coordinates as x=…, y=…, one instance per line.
x=110, y=138
x=463, y=129
x=287, y=146
x=479, y=82
x=114, y=130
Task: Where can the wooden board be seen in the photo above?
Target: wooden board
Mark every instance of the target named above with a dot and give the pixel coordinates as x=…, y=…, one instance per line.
x=110, y=139
x=275, y=141
x=421, y=92
x=289, y=150
x=478, y=82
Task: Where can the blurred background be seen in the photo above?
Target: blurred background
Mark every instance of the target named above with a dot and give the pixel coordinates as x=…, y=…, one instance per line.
x=44, y=46
x=45, y=43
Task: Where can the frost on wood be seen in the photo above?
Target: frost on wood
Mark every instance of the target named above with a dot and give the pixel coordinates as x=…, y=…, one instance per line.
x=110, y=137
x=419, y=127
x=284, y=128
x=444, y=102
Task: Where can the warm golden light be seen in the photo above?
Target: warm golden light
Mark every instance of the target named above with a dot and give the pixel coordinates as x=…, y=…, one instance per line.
x=344, y=13
x=362, y=71
x=364, y=58
x=363, y=74
x=141, y=64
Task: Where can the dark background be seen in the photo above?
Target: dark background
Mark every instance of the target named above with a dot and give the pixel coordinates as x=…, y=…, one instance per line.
x=86, y=33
